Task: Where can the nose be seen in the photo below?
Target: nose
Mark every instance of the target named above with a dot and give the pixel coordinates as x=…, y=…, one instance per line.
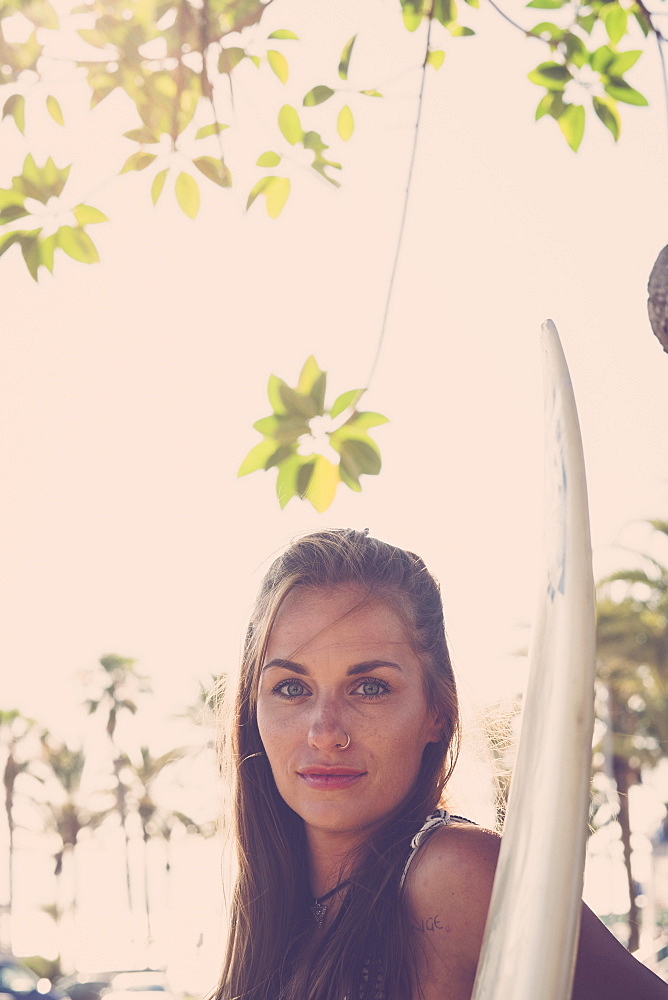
x=327, y=731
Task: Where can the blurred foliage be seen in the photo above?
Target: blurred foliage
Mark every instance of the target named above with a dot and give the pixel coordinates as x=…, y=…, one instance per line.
x=632, y=650
x=172, y=66
x=312, y=447
x=47, y=796
x=175, y=64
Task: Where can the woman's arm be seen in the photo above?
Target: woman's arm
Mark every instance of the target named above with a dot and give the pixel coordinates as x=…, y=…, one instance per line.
x=607, y=970
x=447, y=893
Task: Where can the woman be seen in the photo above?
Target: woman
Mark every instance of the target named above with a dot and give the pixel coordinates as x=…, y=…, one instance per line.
x=345, y=733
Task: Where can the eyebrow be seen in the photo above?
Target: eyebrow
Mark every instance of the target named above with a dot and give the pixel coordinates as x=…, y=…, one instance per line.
x=354, y=671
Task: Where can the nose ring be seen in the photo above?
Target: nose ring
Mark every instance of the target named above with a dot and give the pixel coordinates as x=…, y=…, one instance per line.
x=343, y=746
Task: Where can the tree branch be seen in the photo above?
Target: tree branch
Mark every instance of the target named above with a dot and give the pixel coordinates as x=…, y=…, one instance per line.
x=402, y=223
x=509, y=19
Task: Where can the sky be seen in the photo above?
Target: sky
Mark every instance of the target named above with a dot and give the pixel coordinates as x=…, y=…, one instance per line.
x=128, y=389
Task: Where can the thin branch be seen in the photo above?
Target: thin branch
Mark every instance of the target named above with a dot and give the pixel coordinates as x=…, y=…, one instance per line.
x=660, y=39
x=402, y=223
x=507, y=18
x=662, y=59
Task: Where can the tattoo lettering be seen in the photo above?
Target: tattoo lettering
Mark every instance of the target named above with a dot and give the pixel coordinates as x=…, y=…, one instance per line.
x=430, y=925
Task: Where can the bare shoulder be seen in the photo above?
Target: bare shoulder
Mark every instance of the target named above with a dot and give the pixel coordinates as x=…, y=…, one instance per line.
x=448, y=889
x=458, y=858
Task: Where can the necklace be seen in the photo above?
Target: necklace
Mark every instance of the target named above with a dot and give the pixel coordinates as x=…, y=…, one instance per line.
x=317, y=909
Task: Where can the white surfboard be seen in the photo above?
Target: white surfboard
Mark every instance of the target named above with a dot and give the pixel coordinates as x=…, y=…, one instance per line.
x=532, y=929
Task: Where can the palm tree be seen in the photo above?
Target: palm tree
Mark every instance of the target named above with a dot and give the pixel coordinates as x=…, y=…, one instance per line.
x=202, y=712
x=14, y=728
x=145, y=774
x=632, y=648
x=67, y=816
x=120, y=685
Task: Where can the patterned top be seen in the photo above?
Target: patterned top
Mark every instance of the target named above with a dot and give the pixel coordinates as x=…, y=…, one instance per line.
x=372, y=970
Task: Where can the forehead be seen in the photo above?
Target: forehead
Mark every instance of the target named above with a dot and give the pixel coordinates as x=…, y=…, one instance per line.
x=319, y=618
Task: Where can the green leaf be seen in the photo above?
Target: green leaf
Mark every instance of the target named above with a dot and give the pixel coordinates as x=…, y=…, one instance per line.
x=286, y=480
x=609, y=115
x=586, y=21
x=215, y=169
x=552, y=75
x=54, y=109
x=11, y=212
x=187, y=194
x=298, y=404
x=620, y=90
x=322, y=484
x=364, y=420
x=545, y=104
x=31, y=255
x=281, y=453
x=412, y=17
x=643, y=20
x=9, y=239
x=313, y=140
x=215, y=129
x=345, y=123
x=345, y=401
x=15, y=106
x=352, y=484
x=274, y=393
x=435, y=58
x=576, y=50
x=143, y=135
x=46, y=251
x=157, y=185
x=371, y=93
x=268, y=159
x=284, y=35
x=460, y=31
x=138, y=161
x=318, y=95
x=304, y=477
x=279, y=64
x=615, y=19
x=445, y=11
x=289, y=124
x=86, y=215
x=40, y=183
x=601, y=58
x=358, y=457
x=623, y=62
x=276, y=191
x=309, y=376
x=77, y=244
x=572, y=122
x=229, y=58
x=344, y=61
x=547, y=4
x=258, y=457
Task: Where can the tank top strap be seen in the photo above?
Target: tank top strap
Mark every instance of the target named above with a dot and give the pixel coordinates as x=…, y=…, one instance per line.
x=433, y=822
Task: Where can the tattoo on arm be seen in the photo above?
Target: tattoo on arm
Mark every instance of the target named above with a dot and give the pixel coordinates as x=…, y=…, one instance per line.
x=429, y=925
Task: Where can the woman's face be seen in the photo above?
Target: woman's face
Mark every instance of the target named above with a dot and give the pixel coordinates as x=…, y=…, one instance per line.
x=335, y=669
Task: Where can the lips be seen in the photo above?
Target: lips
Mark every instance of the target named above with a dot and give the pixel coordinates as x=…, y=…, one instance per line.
x=322, y=778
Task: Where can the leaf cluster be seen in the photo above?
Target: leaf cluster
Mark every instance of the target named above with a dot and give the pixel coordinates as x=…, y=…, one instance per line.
x=41, y=185
x=311, y=466
x=175, y=63
x=583, y=73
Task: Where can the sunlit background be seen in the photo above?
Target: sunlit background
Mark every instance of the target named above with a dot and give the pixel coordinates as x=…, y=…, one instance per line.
x=128, y=392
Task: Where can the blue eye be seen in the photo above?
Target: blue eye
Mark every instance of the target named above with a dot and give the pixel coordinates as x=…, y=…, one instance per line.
x=373, y=687
x=290, y=688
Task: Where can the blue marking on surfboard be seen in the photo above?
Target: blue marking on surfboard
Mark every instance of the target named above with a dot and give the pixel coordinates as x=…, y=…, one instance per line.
x=556, y=562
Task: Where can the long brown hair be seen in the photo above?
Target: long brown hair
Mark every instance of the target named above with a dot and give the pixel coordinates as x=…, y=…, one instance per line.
x=273, y=953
